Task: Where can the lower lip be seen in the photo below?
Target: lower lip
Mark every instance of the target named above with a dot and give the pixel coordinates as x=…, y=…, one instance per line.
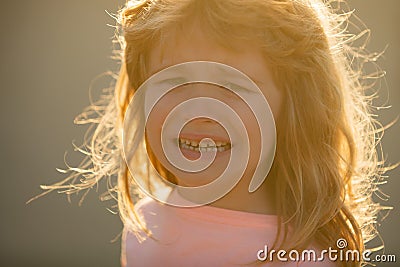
x=193, y=155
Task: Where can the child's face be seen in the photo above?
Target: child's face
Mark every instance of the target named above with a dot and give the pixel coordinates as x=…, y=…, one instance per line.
x=198, y=47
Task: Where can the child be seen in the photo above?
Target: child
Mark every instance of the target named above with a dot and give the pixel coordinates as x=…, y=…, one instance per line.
x=293, y=63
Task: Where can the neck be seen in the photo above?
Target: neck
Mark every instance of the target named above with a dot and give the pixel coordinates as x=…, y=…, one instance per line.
x=239, y=198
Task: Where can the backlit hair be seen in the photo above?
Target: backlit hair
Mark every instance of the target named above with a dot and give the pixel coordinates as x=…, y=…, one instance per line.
x=326, y=161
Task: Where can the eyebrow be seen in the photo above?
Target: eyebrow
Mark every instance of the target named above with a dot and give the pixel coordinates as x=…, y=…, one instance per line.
x=171, y=80
x=256, y=81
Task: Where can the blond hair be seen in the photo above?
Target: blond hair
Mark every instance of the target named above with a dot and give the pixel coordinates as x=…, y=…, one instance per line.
x=326, y=154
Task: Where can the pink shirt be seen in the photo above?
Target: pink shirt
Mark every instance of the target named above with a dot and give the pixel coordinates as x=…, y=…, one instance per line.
x=202, y=236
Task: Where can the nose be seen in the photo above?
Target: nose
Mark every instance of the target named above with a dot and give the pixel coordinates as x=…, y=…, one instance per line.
x=203, y=120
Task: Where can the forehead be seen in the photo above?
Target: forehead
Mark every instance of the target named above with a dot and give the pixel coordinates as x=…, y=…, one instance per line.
x=194, y=44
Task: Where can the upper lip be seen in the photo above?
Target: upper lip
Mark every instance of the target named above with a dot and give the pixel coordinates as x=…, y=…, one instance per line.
x=198, y=137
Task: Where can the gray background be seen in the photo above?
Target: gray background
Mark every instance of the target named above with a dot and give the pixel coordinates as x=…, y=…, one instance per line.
x=50, y=52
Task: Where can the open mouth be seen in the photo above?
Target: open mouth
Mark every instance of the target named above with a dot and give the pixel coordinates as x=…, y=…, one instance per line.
x=207, y=146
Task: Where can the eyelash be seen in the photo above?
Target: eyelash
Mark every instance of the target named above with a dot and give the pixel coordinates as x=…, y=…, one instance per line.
x=236, y=88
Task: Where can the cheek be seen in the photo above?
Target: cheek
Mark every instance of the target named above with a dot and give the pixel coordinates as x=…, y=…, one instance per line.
x=156, y=120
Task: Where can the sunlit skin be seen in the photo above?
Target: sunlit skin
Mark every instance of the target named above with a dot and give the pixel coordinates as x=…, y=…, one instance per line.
x=198, y=47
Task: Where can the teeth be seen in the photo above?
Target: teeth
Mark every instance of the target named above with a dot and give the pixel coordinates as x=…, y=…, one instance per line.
x=202, y=145
x=194, y=143
x=208, y=149
x=206, y=146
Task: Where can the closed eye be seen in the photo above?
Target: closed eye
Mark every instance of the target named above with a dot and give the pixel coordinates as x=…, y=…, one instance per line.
x=237, y=88
x=173, y=81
